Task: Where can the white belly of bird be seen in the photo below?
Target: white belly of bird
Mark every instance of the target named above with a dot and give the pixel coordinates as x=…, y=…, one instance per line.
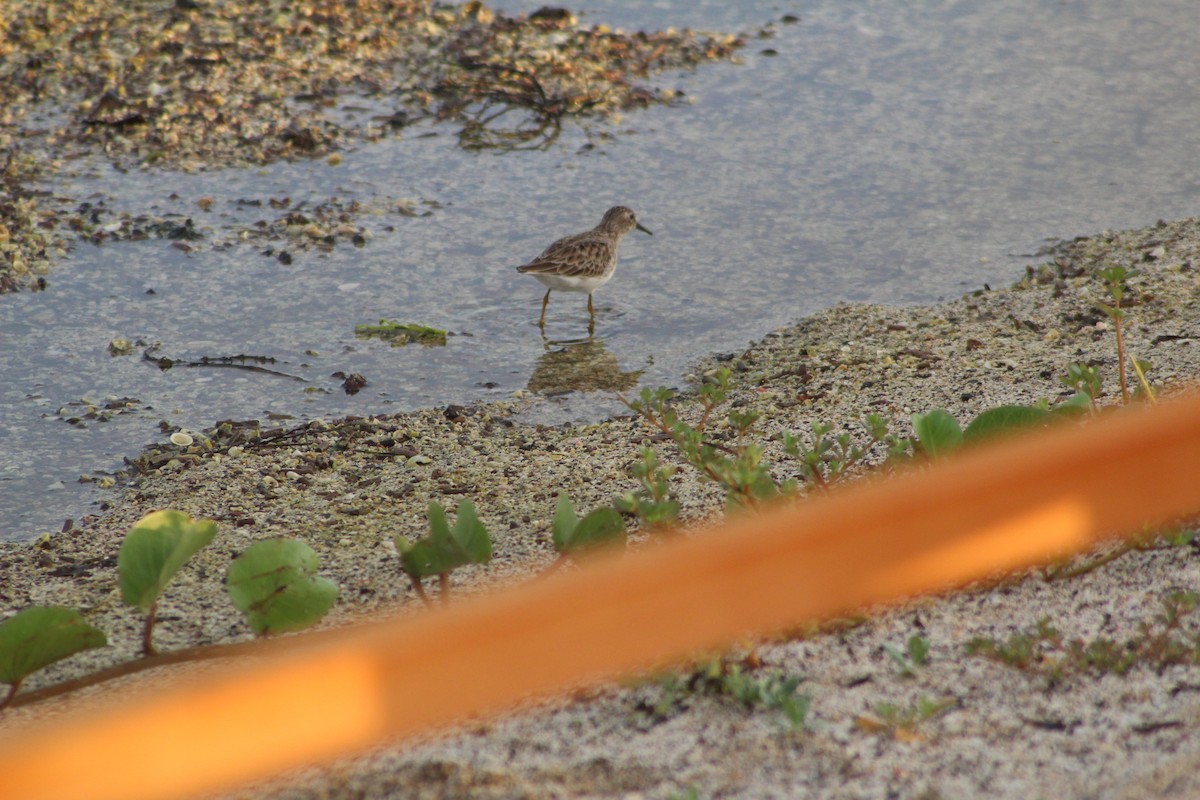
x=572, y=283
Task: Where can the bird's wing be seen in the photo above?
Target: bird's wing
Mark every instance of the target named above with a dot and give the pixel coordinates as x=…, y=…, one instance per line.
x=576, y=255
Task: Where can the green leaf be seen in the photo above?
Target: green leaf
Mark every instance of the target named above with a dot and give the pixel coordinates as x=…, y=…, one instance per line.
x=444, y=550
x=937, y=432
x=427, y=557
x=470, y=534
x=565, y=521
x=274, y=584
x=918, y=650
x=1005, y=419
x=658, y=512
x=39, y=636
x=600, y=527
x=154, y=550
x=439, y=528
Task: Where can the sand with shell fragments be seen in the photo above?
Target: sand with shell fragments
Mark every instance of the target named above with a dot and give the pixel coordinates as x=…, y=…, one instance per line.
x=346, y=487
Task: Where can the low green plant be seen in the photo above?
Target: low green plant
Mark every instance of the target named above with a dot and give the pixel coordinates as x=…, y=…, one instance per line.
x=274, y=583
x=445, y=549
x=599, y=528
x=901, y=721
x=937, y=433
x=152, y=552
x=39, y=636
x=1085, y=382
x=1043, y=650
x=738, y=468
x=1021, y=650
x=830, y=455
x=1177, y=536
x=720, y=677
x=914, y=656
x=652, y=502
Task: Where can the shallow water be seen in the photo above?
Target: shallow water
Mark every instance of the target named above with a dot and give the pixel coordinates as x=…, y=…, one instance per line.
x=883, y=153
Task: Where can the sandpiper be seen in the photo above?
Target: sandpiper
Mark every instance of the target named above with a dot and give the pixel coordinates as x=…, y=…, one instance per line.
x=583, y=262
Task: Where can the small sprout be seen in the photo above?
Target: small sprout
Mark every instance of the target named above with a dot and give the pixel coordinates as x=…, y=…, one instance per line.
x=901, y=721
x=1084, y=380
x=915, y=655
x=1114, y=283
x=444, y=549
x=774, y=690
x=274, y=583
x=39, y=636
x=743, y=421
x=153, y=551
x=712, y=394
x=720, y=677
x=1021, y=650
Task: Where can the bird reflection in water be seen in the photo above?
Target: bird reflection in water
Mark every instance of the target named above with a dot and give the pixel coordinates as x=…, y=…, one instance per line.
x=580, y=365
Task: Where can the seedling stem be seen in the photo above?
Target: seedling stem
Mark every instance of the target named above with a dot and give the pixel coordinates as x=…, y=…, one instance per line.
x=148, y=631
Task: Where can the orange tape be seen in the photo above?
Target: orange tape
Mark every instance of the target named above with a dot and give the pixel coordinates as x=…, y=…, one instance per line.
x=317, y=696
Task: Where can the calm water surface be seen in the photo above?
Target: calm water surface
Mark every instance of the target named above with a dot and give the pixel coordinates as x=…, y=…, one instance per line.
x=868, y=151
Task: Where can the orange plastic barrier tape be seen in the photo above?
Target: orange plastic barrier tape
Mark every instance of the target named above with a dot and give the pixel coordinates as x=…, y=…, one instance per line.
x=997, y=508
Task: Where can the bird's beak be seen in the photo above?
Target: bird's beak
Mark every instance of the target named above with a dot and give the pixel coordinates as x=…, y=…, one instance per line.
x=643, y=228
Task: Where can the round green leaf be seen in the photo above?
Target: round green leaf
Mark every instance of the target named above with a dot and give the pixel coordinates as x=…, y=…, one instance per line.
x=155, y=550
x=937, y=431
x=39, y=636
x=1005, y=419
x=274, y=584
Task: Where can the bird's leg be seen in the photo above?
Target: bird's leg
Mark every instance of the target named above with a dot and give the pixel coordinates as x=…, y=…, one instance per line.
x=545, y=302
x=591, y=311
